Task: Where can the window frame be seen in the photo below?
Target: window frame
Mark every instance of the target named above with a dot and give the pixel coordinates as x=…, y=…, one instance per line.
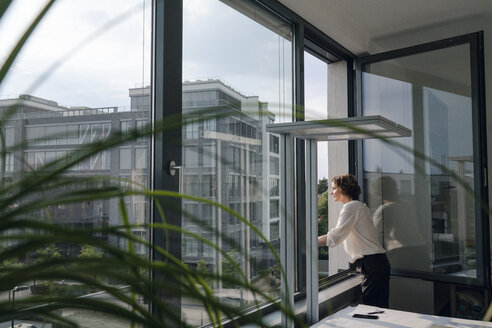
x=166, y=98
x=475, y=42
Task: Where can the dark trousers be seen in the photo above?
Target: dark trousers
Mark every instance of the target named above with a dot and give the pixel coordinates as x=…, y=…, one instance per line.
x=375, y=285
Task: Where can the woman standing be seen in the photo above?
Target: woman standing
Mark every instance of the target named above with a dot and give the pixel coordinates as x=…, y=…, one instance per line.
x=356, y=230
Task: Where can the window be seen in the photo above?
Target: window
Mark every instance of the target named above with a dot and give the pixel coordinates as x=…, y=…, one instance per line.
x=274, y=165
x=141, y=158
x=125, y=158
x=209, y=156
x=79, y=104
x=125, y=126
x=274, y=231
x=240, y=154
x=274, y=187
x=101, y=161
x=274, y=208
x=426, y=220
x=191, y=156
x=274, y=144
x=140, y=124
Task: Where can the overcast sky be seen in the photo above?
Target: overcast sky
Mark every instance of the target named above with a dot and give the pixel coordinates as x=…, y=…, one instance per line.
x=96, y=72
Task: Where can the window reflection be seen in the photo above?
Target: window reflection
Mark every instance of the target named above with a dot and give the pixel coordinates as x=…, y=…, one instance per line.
x=231, y=91
x=88, y=96
x=425, y=218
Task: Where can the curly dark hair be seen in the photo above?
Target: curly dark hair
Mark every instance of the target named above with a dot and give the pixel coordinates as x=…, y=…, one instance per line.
x=348, y=185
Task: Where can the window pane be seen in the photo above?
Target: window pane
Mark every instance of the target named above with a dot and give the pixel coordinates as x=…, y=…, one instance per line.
x=235, y=153
x=92, y=51
x=425, y=216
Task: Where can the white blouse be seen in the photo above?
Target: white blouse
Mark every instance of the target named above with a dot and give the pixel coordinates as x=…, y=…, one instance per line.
x=356, y=229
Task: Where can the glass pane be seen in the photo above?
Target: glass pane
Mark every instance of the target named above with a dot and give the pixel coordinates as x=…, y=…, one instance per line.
x=83, y=75
x=231, y=90
x=422, y=210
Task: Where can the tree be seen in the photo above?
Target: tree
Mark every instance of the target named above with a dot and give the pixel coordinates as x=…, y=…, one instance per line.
x=50, y=251
x=202, y=269
x=323, y=214
x=322, y=185
x=89, y=251
x=323, y=222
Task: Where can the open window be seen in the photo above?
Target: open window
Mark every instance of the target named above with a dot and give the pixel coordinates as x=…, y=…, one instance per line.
x=426, y=190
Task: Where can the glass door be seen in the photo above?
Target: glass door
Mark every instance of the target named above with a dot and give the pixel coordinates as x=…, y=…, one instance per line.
x=425, y=190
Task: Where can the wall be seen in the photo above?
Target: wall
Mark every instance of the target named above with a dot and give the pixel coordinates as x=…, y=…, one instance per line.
x=337, y=153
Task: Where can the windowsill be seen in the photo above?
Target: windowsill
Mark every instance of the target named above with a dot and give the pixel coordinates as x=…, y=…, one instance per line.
x=330, y=300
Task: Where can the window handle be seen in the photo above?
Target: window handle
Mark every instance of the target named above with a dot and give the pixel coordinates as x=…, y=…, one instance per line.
x=171, y=170
x=172, y=167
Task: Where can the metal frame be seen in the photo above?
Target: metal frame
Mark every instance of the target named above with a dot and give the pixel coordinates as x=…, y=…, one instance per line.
x=166, y=101
x=312, y=311
x=475, y=41
x=287, y=229
x=167, y=18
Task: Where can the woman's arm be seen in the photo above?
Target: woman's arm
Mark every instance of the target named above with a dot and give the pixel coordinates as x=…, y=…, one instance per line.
x=345, y=223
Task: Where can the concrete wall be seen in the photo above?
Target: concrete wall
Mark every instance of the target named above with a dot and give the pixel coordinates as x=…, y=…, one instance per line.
x=337, y=153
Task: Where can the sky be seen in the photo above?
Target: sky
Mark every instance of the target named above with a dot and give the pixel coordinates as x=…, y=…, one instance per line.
x=101, y=46
x=95, y=50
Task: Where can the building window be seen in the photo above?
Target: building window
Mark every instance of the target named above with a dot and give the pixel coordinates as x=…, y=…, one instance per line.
x=208, y=155
x=191, y=156
x=140, y=124
x=141, y=157
x=274, y=208
x=125, y=126
x=274, y=187
x=101, y=161
x=274, y=231
x=274, y=144
x=274, y=165
x=125, y=158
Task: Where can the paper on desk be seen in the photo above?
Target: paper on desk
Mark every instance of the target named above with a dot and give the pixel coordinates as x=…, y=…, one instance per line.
x=349, y=323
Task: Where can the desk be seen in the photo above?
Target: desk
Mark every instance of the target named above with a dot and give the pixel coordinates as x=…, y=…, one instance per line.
x=394, y=319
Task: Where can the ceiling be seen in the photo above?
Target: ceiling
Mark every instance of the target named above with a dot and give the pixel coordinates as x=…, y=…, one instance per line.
x=361, y=26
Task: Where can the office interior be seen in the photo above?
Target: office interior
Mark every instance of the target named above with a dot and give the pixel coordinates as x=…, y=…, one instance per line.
x=233, y=68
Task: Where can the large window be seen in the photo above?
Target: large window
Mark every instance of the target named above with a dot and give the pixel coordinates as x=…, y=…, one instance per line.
x=426, y=201
x=82, y=75
x=237, y=64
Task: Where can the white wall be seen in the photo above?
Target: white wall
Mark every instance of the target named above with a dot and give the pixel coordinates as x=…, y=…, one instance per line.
x=337, y=154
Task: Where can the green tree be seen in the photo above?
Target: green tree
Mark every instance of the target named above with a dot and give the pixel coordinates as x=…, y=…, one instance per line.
x=323, y=222
x=323, y=214
x=89, y=251
x=229, y=270
x=202, y=269
x=50, y=251
x=322, y=185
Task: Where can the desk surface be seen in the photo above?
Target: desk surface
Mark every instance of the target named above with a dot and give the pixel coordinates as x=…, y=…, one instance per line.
x=394, y=319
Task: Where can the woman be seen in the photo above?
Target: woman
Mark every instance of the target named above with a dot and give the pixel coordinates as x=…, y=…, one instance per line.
x=355, y=229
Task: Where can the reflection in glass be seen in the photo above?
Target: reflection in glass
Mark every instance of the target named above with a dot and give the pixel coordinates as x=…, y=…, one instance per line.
x=86, y=98
x=423, y=213
x=237, y=78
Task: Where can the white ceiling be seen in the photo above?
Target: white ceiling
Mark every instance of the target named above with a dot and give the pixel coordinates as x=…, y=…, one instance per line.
x=358, y=24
